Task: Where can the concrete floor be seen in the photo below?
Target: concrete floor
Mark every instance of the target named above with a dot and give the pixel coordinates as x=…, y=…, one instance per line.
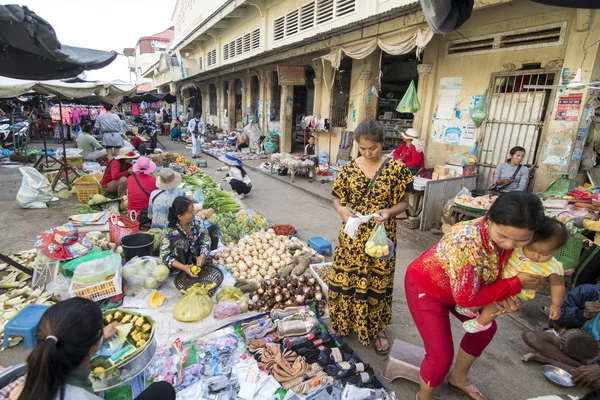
x=499, y=373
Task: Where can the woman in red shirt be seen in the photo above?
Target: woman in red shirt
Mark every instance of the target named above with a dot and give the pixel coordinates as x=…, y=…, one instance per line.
x=410, y=152
x=463, y=269
x=115, y=176
x=140, y=184
x=136, y=142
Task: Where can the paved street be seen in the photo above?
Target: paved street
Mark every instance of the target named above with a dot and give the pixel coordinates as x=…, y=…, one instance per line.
x=282, y=203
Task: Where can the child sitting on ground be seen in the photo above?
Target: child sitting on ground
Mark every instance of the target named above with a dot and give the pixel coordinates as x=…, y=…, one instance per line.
x=537, y=258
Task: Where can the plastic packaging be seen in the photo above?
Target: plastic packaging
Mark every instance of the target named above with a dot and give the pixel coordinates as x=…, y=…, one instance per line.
x=226, y=309
x=35, y=189
x=96, y=271
x=479, y=112
x=194, y=306
x=377, y=244
x=230, y=293
x=410, y=102
x=143, y=273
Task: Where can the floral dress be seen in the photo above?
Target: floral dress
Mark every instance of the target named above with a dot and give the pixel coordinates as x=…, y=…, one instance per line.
x=360, y=286
x=176, y=245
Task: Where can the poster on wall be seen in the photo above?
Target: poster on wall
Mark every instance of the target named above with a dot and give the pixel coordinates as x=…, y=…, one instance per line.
x=291, y=75
x=289, y=104
x=582, y=132
x=446, y=106
x=454, y=132
x=450, y=86
x=568, y=107
x=556, y=151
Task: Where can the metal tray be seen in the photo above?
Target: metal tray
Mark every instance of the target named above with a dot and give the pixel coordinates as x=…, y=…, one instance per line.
x=558, y=376
x=473, y=209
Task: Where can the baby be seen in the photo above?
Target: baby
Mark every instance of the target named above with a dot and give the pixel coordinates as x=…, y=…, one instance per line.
x=537, y=258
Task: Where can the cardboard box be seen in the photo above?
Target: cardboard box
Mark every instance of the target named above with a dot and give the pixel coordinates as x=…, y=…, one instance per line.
x=462, y=170
x=436, y=177
x=441, y=170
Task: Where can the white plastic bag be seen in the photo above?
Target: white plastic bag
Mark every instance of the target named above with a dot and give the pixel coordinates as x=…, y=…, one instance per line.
x=35, y=189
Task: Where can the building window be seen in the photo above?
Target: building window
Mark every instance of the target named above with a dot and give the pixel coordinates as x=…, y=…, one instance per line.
x=242, y=45
x=212, y=99
x=211, y=58
x=201, y=63
x=341, y=94
x=275, y=97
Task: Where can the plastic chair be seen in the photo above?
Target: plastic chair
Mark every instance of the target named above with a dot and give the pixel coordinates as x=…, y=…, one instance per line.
x=320, y=244
x=25, y=324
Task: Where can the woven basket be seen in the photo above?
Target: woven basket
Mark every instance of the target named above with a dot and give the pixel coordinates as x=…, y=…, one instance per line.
x=209, y=274
x=570, y=253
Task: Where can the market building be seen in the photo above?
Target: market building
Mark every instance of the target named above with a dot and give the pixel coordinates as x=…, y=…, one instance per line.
x=350, y=60
x=146, y=53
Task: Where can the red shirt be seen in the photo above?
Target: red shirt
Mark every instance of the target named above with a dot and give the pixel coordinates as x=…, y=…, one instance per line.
x=137, y=200
x=465, y=268
x=113, y=172
x=409, y=156
x=136, y=141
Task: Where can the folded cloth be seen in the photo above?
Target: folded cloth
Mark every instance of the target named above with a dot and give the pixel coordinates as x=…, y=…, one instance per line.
x=289, y=328
x=310, y=354
x=257, y=329
x=286, y=370
x=280, y=313
x=6, y=391
x=314, y=378
x=256, y=344
x=271, y=354
x=99, y=218
x=336, y=355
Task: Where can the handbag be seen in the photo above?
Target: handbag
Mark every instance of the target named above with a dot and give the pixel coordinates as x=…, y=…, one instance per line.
x=499, y=188
x=371, y=183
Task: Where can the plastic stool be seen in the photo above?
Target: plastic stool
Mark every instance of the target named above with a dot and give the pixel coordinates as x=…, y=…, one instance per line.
x=320, y=244
x=404, y=361
x=25, y=324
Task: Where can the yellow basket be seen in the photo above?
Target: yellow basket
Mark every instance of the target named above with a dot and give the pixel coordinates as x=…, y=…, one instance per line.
x=87, y=186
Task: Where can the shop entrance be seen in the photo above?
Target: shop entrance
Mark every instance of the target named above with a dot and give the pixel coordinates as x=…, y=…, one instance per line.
x=397, y=73
x=304, y=97
x=195, y=101
x=238, y=104
x=515, y=117
x=254, y=96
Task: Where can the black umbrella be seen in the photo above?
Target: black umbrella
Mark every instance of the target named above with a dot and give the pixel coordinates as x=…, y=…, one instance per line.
x=29, y=49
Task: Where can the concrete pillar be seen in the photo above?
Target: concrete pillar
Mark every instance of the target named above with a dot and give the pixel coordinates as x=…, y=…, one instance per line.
x=424, y=83
x=285, y=135
x=245, y=91
x=231, y=105
x=262, y=98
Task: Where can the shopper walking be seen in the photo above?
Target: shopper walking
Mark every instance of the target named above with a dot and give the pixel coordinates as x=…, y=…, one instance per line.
x=361, y=286
x=196, y=130
x=463, y=269
x=110, y=126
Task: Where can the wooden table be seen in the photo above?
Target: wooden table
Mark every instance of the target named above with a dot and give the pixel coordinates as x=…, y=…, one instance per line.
x=293, y=169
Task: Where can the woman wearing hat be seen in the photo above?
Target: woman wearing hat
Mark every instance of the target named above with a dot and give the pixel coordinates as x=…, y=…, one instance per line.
x=140, y=184
x=162, y=198
x=236, y=176
x=115, y=176
x=410, y=152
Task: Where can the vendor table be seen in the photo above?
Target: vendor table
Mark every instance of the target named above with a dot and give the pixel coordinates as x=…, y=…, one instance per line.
x=293, y=169
x=460, y=214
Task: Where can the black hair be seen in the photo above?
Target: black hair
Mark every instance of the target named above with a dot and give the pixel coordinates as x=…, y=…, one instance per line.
x=370, y=130
x=198, y=116
x=89, y=128
x=129, y=133
x=517, y=210
x=514, y=150
x=593, y=395
x=108, y=107
x=311, y=137
x=551, y=229
x=179, y=207
x=242, y=170
x=76, y=324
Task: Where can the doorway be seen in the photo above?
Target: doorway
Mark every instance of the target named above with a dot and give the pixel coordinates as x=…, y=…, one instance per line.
x=304, y=97
x=254, y=96
x=515, y=117
x=195, y=100
x=238, y=104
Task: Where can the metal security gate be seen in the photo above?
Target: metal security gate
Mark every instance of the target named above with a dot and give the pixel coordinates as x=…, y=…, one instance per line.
x=515, y=117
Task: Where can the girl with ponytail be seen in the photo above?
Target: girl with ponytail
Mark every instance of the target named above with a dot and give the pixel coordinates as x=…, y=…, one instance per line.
x=68, y=335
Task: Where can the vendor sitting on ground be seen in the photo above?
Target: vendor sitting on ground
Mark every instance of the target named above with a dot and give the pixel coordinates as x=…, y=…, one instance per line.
x=236, y=175
x=68, y=335
x=136, y=142
x=410, y=152
x=162, y=198
x=140, y=185
x=511, y=176
x=572, y=343
x=242, y=140
x=185, y=242
x=92, y=149
x=175, y=131
x=115, y=176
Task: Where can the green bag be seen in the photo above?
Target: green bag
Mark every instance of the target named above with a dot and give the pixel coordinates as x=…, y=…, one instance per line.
x=410, y=102
x=479, y=112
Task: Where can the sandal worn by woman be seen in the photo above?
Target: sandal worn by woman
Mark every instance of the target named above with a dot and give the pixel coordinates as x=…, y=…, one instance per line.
x=468, y=391
x=380, y=336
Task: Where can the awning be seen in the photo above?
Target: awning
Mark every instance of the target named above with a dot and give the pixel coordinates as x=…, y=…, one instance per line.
x=151, y=98
x=29, y=48
x=396, y=43
x=108, y=92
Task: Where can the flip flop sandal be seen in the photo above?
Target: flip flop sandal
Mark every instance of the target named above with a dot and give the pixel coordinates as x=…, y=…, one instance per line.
x=545, y=310
x=378, y=339
x=468, y=390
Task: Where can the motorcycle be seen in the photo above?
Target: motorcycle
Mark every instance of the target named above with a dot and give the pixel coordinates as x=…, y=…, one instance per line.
x=16, y=134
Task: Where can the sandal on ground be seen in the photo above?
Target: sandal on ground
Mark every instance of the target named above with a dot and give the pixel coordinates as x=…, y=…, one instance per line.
x=467, y=390
x=545, y=310
x=379, y=338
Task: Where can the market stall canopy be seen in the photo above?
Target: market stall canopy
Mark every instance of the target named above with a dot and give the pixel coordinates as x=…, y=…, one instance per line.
x=151, y=98
x=29, y=48
x=107, y=92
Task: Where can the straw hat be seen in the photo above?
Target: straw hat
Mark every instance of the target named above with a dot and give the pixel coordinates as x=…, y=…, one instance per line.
x=168, y=179
x=230, y=160
x=63, y=243
x=410, y=134
x=144, y=165
x=126, y=152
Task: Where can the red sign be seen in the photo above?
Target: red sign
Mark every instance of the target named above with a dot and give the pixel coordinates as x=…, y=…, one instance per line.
x=568, y=107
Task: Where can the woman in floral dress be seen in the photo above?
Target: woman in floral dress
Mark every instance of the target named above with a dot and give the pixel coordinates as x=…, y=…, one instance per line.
x=361, y=286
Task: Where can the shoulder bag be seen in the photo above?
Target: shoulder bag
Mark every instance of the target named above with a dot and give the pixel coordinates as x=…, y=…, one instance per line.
x=371, y=183
x=499, y=188
x=140, y=185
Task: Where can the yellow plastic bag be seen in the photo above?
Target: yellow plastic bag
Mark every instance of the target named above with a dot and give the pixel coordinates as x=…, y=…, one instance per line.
x=194, y=306
x=230, y=293
x=377, y=245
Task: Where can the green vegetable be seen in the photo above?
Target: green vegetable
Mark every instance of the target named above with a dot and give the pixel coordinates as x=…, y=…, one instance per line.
x=221, y=202
x=84, y=210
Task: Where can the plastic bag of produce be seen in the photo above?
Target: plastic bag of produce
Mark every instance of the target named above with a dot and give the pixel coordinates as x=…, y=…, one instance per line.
x=230, y=293
x=226, y=309
x=143, y=273
x=410, y=102
x=479, y=112
x=194, y=306
x=96, y=271
x=377, y=245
